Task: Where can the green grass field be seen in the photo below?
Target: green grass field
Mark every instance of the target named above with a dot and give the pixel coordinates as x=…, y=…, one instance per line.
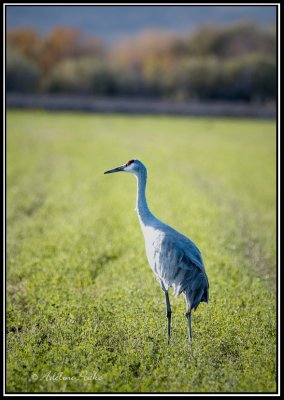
x=84, y=311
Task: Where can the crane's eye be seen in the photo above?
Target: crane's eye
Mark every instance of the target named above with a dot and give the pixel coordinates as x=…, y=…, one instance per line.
x=129, y=162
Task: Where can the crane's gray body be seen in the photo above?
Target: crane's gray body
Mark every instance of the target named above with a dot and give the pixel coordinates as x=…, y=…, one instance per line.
x=176, y=261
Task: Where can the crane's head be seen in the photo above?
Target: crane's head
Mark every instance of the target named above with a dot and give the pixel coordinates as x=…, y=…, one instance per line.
x=132, y=166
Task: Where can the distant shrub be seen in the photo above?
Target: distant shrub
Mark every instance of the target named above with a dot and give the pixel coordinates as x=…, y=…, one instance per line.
x=249, y=78
x=196, y=78
x=26, y=42
x=129, y=81
x=22, y=75
x=265, y=78
x=135, y=51
x=155, y=77
x=233, y=41
x=60, y=44
x=85, y=75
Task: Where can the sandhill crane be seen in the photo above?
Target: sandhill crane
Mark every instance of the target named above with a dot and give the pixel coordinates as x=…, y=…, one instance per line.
x=175, y=260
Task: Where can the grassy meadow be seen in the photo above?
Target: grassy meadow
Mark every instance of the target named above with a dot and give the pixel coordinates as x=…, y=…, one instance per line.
x=84, y=311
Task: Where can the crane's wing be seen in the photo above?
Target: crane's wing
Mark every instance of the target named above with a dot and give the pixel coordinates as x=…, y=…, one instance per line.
x=183, y=250
x=177, y=253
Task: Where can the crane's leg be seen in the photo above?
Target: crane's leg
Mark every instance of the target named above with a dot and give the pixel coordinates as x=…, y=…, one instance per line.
x=188, y=316
x=169, y=314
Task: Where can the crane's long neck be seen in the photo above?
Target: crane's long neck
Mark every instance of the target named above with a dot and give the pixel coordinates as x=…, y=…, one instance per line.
x=144, y=214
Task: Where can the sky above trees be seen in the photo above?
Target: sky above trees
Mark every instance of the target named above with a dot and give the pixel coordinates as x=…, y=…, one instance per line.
x=112, y=23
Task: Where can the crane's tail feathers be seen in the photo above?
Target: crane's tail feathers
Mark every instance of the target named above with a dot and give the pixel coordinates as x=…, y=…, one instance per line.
x=205, y=296
x=194, y=298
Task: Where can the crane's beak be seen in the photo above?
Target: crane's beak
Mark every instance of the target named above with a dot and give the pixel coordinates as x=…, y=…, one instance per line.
x=118, y=169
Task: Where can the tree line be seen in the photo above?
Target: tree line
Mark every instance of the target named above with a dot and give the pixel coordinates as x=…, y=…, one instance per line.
x=225, y=63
